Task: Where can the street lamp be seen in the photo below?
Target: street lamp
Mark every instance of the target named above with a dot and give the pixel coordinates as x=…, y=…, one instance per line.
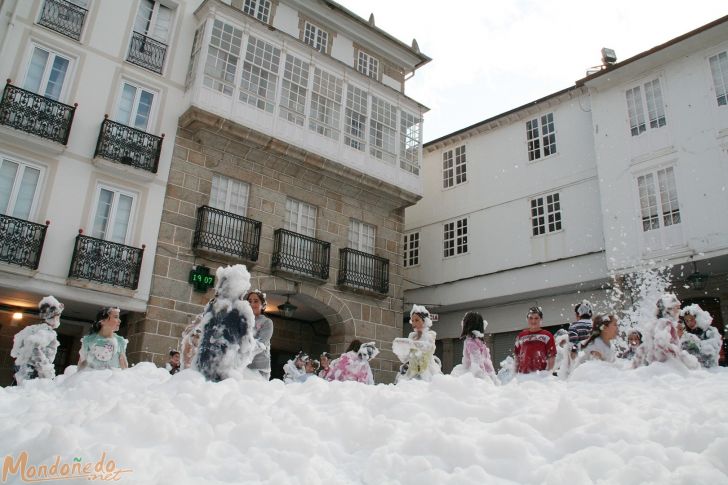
x=697, y=280
x=287, y=308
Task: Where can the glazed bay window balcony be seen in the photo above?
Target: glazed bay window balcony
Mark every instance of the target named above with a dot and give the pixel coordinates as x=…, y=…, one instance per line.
x=290, y=91
x=226, y=233
x=63, y=16
x=106, y=262
x=21, y=241
x=35, y=114
x=301, y=255
x=364, y=271
x=147, y=52
x=127, y=145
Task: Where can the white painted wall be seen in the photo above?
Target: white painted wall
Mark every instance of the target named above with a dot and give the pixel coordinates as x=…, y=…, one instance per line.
x=71, y=175
x=694, y=142
x=286, y=19
x=343, y=49
x=496, y=200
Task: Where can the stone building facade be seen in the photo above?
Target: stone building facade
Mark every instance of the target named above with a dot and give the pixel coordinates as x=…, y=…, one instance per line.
x=207, y=144
x=296, y=153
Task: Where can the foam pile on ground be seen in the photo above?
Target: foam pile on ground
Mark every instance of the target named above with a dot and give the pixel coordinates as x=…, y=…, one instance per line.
x=660, y=424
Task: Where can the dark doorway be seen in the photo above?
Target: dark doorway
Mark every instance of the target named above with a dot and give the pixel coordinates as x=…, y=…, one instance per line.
x=278, y=359
x=63, y=353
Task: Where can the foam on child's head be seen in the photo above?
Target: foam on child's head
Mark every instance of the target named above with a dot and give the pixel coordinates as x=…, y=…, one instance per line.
x=702, y=318
x=535, y=310
x=368, y=351
x=561, y=335
x=422, y=312
x=584, y=308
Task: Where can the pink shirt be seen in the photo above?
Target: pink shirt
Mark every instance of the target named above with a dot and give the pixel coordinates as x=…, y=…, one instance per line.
x=476, y=356
x=666, y=342
x=350, y=367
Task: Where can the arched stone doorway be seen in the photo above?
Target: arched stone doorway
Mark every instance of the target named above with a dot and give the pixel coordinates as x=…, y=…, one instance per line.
x=319, y=323
x=346, y=315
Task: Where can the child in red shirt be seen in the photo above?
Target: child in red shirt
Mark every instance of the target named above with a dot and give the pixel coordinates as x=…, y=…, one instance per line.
x=535, y=348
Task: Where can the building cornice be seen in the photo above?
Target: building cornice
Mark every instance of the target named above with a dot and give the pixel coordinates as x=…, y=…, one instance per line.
x=515, y=115
x=406, y=53
x=395, y=50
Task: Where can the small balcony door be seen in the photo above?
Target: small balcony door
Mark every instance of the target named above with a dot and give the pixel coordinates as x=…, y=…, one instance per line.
x=362, y=237
x=229, y=195
x=154, y=20
x=47, y=73
x=18, y=188
x=113, y=215
x=662, y=227
x=301, y=219
x=135, y=107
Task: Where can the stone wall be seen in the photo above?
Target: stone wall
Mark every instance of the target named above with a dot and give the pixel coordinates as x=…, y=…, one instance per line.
x=206, y=144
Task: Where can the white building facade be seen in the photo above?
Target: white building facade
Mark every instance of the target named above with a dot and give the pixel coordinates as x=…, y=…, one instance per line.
x=92, y=89
x=507, y=221
x=542, y=205
x=660, y=124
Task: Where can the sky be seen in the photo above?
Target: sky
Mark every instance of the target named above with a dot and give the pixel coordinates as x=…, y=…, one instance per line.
x=489, y=57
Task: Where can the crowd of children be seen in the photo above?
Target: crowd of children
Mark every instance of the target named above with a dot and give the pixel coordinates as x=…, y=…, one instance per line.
x=352, y=365
x=590, y=337
x=682, y=334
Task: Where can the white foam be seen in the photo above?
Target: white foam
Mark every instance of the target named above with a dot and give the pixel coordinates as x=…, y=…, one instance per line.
x=656, y=424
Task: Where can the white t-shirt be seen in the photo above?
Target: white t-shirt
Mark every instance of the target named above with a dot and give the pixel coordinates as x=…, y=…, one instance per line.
x=603, y=348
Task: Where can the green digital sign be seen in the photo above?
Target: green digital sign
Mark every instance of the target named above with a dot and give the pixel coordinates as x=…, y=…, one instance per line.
x=201, y=279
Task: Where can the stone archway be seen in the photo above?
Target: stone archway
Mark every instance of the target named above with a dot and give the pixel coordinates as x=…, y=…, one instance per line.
x=333, y=309
x=348, y=316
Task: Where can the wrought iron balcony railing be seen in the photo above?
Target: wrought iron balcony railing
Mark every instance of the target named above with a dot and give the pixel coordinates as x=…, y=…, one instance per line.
x=299, y=254
x=358, y=269
x=128, y=145
x=36, y=114
x=147, y=52
x=21, y=241
x=106, y=262
x=227, y=233
x=64, y=17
